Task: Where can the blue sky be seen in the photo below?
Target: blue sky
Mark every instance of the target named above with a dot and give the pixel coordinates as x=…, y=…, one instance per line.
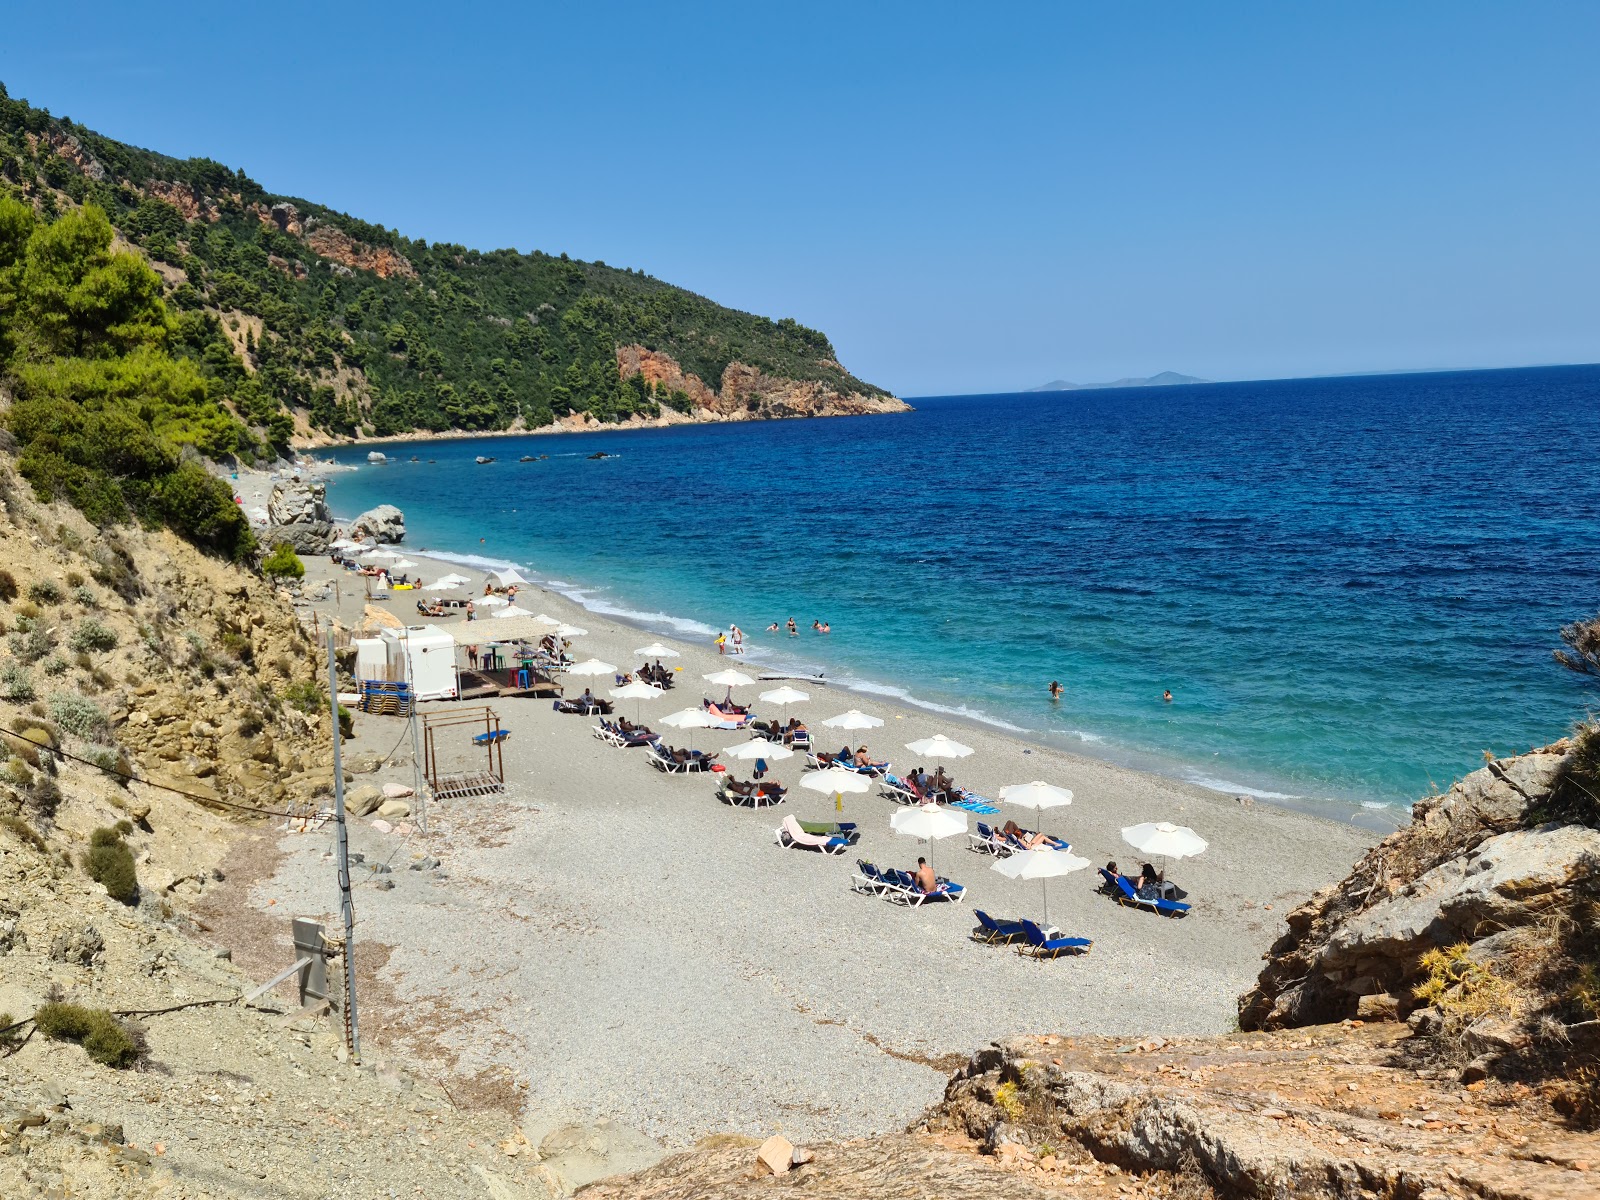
x=964, y=197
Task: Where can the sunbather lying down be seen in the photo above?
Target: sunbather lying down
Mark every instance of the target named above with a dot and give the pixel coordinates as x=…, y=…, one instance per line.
x=764, y=788
x=1032, y=839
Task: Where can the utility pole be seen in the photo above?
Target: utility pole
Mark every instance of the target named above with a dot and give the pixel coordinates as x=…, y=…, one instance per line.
x=347, y=908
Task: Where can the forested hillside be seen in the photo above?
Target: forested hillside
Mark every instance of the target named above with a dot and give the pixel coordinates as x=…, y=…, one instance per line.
x=300, y=319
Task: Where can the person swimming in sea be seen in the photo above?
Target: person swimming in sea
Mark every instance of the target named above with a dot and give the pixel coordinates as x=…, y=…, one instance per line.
x=1167, y=696
x=1055, y=689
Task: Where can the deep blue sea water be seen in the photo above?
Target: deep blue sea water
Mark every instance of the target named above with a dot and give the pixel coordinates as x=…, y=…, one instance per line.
x=1352, y=586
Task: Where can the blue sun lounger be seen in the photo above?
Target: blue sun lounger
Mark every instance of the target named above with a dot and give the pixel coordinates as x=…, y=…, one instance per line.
x=1123, y=892
x=990, y=930
x=1047, y=947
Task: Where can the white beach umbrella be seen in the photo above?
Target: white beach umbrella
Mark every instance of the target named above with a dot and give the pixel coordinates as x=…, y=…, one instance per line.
x=689, y=718
x=785, y=696
x=756, y=748
x=657, y=650
x=570, y=631
x=1040, y=865
x=492, y=602
x=1165, y=839
x=638, y=691
x=512, y=610
x=547, y=619
x=440, y=585
x=728, y=678
x=1036, y=795
x=835, y=782
x=938, y=746
x=379, y=552
x=854, y=719
x=452, y=577
x=927, y=823
x=344, y=544
x=591, y=666
x=509, y=576
x=405, y=564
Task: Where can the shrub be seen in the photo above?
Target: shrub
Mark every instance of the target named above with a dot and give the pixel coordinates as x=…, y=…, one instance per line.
x=27, y=609
x=237, y=646
x=28, y=836
x=78, y=715
x=104, y=1037
x=86, y=596
x=45, y=591
x=45, y=796
x=112, y=761
x=16, y=682
x=110, y=864
x=54, y=665
x=8, y=586
x=8, y=1036
x=74, y=578
x=305, y=695
x=17, y=773
x=89, y=634
x=283, y=563
x=28, y=643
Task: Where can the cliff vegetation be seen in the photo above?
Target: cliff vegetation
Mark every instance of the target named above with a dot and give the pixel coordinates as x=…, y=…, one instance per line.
x=306, y=322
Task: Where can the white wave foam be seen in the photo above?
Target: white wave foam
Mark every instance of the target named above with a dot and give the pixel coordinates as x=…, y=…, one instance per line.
x=869, y=688
x=482, y=562
x=1093, y=738
x=651, y=620
x=1212, y=784
x=1375, y=804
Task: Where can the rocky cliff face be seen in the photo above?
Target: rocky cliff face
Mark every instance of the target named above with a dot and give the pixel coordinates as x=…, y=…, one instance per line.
x=747, y=394
x=297, y=513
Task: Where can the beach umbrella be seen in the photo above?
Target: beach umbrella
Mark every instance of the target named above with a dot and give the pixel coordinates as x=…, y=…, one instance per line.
x=835, y=781
x=785, y=696
x=493, y=602
x=508, y=577
x=729, y=678
x=344, y=544
x=1040, y=865
x=756, y=748
x=441, y=585
x=640, y=691
x=657, y=650
x=453, y=578
x=570, y=631
x=379, y=552
x=513, y=610
x=405, y=564
x=1036, y=795
x=1165, y=839
x=927, y=823
x=591, y=666
x=938, y=746
x=854, y=719
x=547, y=619
x=689, y=718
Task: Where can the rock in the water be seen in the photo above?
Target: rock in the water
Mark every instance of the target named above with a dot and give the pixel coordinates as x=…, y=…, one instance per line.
x=297, y=513
x=386, y=523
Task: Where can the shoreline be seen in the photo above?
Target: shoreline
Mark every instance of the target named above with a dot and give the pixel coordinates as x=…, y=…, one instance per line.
x=668, y=419
x=628, y=948
x=1379, y=817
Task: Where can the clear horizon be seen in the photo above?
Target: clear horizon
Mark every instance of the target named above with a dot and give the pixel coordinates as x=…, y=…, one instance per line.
x=964, y=202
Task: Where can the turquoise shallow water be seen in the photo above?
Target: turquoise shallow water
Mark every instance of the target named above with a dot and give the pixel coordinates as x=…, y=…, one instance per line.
x=1351, y=586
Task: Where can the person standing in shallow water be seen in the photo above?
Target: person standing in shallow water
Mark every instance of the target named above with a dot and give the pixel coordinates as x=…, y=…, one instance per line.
x=794, y=630
x=1055, y=689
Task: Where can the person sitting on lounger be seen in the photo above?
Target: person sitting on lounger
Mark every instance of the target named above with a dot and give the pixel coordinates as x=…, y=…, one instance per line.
x=587, y=699
x=1152, y=884
x=861, y=757
x=1031, y=841
x=927, y=882
x=941, y=782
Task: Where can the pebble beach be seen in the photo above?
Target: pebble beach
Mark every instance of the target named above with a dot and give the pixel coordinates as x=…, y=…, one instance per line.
x=615, y=943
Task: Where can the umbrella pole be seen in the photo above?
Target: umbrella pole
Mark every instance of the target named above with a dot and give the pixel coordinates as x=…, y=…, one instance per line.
x=1044, y=890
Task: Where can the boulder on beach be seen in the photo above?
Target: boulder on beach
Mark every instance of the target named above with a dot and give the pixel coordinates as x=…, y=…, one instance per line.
x=297, y=513
x=386, y=523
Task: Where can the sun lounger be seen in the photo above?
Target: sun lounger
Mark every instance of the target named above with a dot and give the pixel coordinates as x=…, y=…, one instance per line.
x=892, y=787
x=907, y=892
x=832, y=828
x=490, y=738
x=1121, y=889
x=664, y=758
x=762, y=795
x=578, y=706
x=1041, y=946
x=991, y=931
x=868, y=880
x=971, y=802
x=792, y=836
x=608, y=733
x=798, y=739
x=987, y=841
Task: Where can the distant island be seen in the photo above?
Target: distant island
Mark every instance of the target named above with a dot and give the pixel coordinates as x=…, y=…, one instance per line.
x=1165, y=379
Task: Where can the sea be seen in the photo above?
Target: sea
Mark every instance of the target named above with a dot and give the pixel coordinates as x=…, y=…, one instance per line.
x=1351, y=587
